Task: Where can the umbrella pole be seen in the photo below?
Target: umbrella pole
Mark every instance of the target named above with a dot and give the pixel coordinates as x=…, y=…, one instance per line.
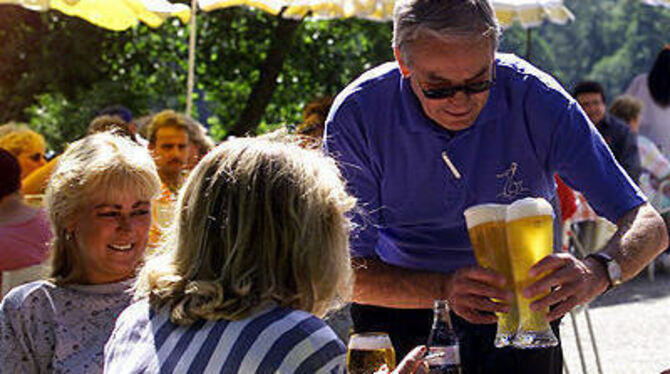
x=191, y=59
x=529, y=42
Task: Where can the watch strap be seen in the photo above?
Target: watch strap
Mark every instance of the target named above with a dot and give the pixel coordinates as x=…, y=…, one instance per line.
x=605, y=259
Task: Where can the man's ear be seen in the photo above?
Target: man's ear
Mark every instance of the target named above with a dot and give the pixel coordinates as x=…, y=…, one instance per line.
x=404, y=70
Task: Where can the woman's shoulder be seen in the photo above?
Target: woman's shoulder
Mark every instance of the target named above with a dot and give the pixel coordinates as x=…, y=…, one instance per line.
x=304, y=329
x=29, y=293
x=29, y=302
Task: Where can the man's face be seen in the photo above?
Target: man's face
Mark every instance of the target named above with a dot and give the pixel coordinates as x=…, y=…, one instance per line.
x=594, y=106
x=438, y=64
x=170, y=150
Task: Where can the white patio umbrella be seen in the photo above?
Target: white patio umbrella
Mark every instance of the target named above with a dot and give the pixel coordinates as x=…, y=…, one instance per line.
x=116, y=15
x=665, y=3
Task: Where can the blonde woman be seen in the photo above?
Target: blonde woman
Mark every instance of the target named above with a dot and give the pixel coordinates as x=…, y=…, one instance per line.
x=99, y=204
x=261, y=252
x=27, y=146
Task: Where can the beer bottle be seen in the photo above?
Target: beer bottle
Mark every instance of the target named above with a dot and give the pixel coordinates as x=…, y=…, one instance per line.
x=443, y=342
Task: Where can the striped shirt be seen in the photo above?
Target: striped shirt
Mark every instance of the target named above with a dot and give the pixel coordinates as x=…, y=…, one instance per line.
x=275, y=340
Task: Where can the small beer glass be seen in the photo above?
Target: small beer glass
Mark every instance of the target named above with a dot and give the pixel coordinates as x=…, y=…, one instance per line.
x=367, y=352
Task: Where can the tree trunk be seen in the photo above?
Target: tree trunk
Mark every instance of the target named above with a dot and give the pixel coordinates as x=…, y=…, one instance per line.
x=267, y=82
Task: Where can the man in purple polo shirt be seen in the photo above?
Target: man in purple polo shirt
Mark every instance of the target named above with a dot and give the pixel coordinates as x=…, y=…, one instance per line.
x=449, y=125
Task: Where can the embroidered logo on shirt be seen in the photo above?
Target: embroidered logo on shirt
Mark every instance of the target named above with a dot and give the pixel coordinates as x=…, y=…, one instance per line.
x=512, y=187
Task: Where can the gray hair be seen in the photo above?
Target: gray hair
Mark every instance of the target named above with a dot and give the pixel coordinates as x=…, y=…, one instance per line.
x=444, y=19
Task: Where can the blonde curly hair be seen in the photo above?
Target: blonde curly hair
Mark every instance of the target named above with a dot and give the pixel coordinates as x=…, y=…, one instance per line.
x=261, y=222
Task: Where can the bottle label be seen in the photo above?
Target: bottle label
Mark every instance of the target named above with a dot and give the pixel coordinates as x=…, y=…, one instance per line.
x=444, y=356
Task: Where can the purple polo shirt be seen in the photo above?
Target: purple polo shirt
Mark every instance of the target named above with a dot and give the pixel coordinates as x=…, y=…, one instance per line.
x=411, y=201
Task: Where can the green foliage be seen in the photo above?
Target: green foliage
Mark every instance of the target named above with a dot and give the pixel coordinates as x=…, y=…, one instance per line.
x=62, y=120
x=57, y=71
x=610, y=41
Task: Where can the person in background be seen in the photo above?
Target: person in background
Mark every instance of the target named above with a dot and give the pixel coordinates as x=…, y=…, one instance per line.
x=618, y=136
x=655, y=178
x=24, y=229
x=260, y=253
x=656, y=168
x=10, y=126
x=127, y=116
x=106, y=122
x=36, y=182
x=653, y=89
x=169, y=140
x=99, y=205
x=199, y=142
x=314, y=121
x=27, y=146
x=451, y=124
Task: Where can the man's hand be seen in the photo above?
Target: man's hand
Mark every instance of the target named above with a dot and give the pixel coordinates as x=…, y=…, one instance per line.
x=570, y=281
x=471, y=291
x=413, y=363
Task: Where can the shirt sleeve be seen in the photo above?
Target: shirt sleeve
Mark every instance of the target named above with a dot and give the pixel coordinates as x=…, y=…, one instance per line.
x=24, y=345
x=578, y=153
x=346, y=140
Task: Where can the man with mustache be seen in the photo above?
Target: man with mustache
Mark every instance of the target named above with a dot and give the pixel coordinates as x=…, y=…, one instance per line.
x=168, y=143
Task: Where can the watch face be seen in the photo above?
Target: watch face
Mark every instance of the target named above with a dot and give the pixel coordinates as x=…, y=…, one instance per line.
x=614, y=272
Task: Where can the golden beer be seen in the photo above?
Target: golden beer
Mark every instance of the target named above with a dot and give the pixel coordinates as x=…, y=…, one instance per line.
x=530, y=237
x=486, y=226
x=368, y=352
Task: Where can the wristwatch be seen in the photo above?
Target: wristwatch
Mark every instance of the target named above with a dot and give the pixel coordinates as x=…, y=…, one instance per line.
x=613, y=268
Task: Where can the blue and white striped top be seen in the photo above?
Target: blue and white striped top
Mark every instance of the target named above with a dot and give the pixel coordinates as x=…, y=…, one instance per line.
x=275, y=340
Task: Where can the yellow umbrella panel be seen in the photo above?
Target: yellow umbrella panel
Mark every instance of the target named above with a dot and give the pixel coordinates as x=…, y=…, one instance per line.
x=527, y=12
x=116, y=15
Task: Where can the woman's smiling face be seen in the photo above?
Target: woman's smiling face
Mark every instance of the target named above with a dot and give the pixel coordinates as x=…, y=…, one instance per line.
x=111, y=235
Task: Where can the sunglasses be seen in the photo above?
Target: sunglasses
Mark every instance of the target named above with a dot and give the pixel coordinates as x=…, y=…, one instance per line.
x=468, y=89
x=37, y=157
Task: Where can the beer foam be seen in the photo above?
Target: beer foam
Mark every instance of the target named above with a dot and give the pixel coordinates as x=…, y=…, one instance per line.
x=529, y=207
x=480, y=214
x=369, y=342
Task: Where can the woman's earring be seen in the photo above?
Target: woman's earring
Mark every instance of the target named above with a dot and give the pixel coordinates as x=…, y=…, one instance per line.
x=68, y=235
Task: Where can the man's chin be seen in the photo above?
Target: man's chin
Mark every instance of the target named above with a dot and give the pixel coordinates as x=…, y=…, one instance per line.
x=456, y=125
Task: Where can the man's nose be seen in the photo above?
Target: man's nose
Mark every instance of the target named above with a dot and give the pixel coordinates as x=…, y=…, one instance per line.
x=460, y=99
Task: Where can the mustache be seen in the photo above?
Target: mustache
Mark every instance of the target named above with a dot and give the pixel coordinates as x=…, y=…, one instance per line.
x=176, y=161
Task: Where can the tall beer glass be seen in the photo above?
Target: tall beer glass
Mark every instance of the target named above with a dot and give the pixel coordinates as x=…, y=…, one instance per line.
x=367, y=352
x=530, y=235
x=486, y=226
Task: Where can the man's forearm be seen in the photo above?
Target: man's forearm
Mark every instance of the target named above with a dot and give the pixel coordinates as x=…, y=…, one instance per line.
x=641, y=236
x=394, y=287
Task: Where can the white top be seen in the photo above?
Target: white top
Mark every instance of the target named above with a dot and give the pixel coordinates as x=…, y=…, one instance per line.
x=45, y=328
x=654, y=120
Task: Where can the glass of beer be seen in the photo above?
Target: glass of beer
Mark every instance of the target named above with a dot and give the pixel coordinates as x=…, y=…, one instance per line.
x=367, y=352
x=486, y=226
x=530, y=234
